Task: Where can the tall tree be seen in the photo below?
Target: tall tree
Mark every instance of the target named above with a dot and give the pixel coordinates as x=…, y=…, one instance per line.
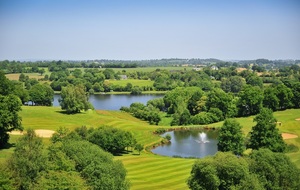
x=265, y=134
x=74, y=99
x=222, y=171
x=270, y=98
x=231, y=137
x=233, y=84
x=274, y=170
x=250, y=101
x=6, y=86
x=28, y=160
x=41, y=94
x=9, y=119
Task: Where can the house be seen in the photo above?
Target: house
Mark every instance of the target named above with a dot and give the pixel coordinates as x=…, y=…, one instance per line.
x=123, y=77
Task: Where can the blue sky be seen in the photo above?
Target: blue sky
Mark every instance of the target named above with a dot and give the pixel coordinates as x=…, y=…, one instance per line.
x=153, y=29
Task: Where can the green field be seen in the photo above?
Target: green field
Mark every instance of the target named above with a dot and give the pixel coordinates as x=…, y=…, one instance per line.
x=134, y=82
x=145, y=171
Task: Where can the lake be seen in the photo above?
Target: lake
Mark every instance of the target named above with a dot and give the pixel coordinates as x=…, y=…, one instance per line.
x=114, y=101
x=189, y=143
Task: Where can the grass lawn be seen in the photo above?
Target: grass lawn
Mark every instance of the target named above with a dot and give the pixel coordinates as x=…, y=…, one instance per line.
x=145, y=171
x=15, y=76
x=134, y=82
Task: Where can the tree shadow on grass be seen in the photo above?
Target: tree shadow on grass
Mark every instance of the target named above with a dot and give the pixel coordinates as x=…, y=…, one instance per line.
x=8, y=146
x=67, y=113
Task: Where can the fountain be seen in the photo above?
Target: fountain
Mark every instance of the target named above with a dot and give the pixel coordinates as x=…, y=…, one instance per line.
x=202, y=138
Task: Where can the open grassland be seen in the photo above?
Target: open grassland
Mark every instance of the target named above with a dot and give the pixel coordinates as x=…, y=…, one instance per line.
x=15, y=76
x=145, y=171
x=134, y=82
x=139, y=69
x=149, y=69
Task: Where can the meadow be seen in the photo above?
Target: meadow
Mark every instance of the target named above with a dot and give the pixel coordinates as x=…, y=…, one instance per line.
x=134, y=82
x=145, y=171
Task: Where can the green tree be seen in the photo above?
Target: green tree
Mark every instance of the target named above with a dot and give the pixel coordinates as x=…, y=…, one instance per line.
x=270, y=98
x=136, y=90
x=41, y=71
x=274, y=170
x=28, y=160
x=250, y=100
x=285, y=96
x=60, y=180
x=231, y=137
x=41, y=94
x=222, y=171
x=265, y=134
x=9, y=119
x=111, y=139
x=139, y=148
x=22, y=77
x=74, y=99
x=233, y=84
x=6, y=86
x=217, y=98
x=96, y=166
x=254, y=80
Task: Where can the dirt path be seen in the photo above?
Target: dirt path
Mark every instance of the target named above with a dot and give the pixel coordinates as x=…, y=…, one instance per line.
x=40, y=132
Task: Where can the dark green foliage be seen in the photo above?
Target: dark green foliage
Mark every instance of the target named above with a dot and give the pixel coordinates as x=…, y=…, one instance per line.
x=254, y=80
x=168, y=137
x=264, y=169
x=157, y=103
x=270, y=98
x=223, y=171
x=250, y=100
x=193, y=103
x=10, y=105
x=139, y=147
x=28, y=160
x=274, y=170
x=231, y=137
x=232, y=84
x=202, y=118
x=111, y=139
x=6, y=180
x=217, y=98
x=41, y=94
x=6, y=86
x=296, y=94
x=285, y=96
x=136, y=90
x=74, y=99
x=96, y=166
x=60, y=180
x=147, y=113
x=265, y=134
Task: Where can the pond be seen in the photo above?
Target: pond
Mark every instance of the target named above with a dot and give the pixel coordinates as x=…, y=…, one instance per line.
x=189, y=143
x=114, y=101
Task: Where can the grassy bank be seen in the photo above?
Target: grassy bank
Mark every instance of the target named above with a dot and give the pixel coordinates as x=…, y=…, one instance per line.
x=145, y=171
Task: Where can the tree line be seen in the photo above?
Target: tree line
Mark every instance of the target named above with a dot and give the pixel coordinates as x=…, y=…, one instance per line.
x=234, y=98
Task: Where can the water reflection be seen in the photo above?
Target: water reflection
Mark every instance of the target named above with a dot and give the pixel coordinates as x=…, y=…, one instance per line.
x=114, y=101
x=186, y=144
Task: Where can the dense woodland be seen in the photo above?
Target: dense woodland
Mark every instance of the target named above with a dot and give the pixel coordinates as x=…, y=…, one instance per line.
x=83, y=158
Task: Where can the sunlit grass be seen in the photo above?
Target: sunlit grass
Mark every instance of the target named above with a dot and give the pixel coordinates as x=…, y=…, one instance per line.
x=145, y=171
x=134, y=82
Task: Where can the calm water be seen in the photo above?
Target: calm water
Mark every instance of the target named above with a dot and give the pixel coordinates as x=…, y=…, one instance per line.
x=114, y=101
x=189, y=144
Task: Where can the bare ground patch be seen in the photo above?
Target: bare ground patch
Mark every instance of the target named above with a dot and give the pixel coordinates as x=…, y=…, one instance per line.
x=39, y=132
x=288, y=136
x=298, y=119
